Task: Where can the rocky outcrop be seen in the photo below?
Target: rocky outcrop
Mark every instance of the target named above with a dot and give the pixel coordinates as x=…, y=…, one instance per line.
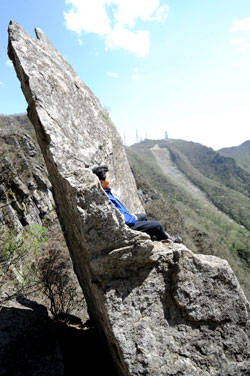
x=25, y=190
x=161, y=309
x=184, y=314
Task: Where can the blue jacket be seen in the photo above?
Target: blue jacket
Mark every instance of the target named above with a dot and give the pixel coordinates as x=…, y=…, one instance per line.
x=129, y=218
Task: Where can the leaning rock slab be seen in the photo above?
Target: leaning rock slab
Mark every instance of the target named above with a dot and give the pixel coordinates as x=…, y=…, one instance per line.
x=161, y=309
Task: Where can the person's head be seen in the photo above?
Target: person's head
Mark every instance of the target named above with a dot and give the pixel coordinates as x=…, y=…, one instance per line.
x=103, y=175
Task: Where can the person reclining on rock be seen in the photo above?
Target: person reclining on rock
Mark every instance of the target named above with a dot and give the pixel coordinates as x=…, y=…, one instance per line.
x=138, y=222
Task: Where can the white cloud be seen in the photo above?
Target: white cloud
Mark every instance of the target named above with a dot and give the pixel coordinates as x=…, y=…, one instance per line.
x=1, y=83
x=161, y=14
x=113, y=74
x=241, y=44
x=129, y=11
x=90, y=16
x=137, y=42
x=115, y=21
x=241, y=25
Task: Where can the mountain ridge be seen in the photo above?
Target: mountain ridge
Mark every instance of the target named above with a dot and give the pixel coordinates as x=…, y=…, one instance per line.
x=212, y=215
x=240, y=153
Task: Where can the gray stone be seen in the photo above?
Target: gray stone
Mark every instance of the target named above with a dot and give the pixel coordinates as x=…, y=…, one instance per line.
x=25, y=191
x=161, y=309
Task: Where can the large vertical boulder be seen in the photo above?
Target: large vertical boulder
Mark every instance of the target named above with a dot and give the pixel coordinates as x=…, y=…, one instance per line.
x=161, y=309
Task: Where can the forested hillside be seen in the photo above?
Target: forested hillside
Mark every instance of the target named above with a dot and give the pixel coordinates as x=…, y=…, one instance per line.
x=240, y=153
x=198, y=194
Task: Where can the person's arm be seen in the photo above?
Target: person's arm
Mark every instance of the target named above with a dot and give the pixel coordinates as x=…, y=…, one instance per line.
x=129, y=218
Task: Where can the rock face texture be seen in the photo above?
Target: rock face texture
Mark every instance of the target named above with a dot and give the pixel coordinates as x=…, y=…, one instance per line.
x=25, y=190
x=161, y=309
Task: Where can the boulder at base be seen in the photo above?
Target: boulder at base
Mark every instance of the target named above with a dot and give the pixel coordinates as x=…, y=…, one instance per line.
x=161, y=309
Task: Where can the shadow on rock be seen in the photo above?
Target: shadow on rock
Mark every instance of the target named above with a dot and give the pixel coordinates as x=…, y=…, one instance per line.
x=31, y=343
x=83, y=351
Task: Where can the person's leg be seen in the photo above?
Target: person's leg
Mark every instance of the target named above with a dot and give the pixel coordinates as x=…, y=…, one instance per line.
x=153, y=228
x=141, y=217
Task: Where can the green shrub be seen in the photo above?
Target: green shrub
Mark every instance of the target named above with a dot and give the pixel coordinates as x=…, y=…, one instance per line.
x=37, y=261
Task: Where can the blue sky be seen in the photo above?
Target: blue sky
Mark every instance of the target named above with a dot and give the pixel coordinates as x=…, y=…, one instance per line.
x=176, y=66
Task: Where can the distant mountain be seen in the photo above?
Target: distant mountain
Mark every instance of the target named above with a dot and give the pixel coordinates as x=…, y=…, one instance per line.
x=198, y=194
x=240, y=153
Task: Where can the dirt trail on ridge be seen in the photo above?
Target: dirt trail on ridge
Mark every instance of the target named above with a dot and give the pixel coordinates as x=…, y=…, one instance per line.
x=162, y=157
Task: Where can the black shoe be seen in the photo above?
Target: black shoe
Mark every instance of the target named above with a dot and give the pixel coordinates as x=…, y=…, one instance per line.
x=178, y=239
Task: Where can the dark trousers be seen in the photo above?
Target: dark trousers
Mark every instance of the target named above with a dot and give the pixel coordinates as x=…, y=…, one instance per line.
x=152, y=228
